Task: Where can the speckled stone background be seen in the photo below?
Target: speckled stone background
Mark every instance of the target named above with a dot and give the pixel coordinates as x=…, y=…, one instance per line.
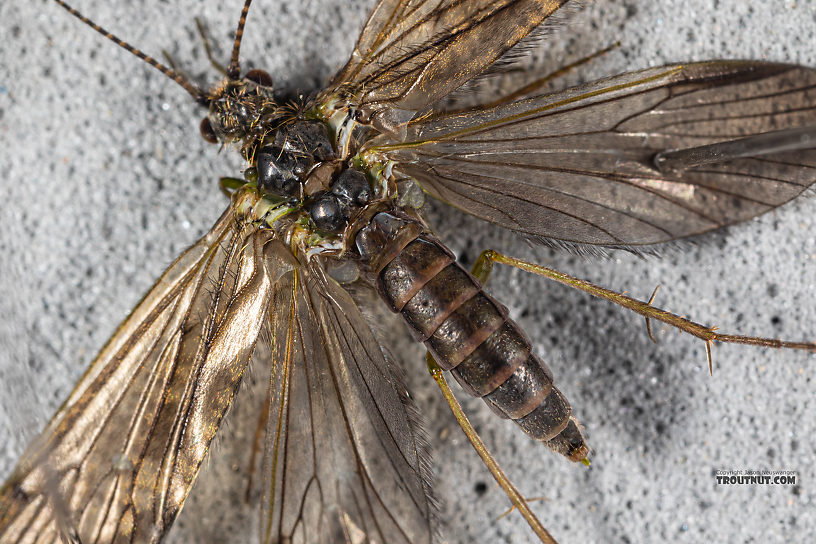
x=105, y=181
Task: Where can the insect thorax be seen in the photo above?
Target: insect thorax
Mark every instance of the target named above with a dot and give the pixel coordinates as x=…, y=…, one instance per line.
x=301, y=165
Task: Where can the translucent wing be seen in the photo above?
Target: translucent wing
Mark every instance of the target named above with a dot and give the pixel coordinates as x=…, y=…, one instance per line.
x=411, y=53
x=117, y=460
x=344, y=462
x=578, y=165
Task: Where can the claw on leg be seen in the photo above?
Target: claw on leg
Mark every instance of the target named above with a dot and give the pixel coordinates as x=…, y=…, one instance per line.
x=708, y=358
x=648, y=322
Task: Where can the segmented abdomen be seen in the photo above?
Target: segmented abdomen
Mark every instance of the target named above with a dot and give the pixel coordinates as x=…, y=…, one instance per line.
x=467, y=331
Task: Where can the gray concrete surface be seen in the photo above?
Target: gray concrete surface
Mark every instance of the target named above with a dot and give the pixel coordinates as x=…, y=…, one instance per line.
x=105, y=180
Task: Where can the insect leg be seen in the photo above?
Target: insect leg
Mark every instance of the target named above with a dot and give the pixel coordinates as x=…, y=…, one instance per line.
x=256, y=446
x=229, y=185
x=507, y=486
x=706, y=334
x=205, y=39
x=483, y=267
x=174, y=65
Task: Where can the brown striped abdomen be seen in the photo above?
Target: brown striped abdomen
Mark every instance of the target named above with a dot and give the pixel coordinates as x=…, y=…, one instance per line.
x=467, y=331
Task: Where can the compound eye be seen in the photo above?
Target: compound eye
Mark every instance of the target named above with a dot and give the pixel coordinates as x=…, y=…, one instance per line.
x=276, y=172
x=207, y=131
x=328, y=213
x=260, y=77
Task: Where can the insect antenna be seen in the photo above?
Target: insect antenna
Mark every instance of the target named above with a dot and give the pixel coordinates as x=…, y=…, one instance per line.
x=191, y=88
x=234, y=68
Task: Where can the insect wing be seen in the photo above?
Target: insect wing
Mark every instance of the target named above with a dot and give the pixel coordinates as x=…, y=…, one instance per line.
x=578, y=165
x=344, y=460
x=411, y=53
x=118, y=459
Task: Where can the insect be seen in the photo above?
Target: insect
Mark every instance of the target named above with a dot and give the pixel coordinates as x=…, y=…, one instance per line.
x=219, y=170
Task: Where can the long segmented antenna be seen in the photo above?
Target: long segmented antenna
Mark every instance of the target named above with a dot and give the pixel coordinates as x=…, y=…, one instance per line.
x=234, y=68
x=193, y=89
